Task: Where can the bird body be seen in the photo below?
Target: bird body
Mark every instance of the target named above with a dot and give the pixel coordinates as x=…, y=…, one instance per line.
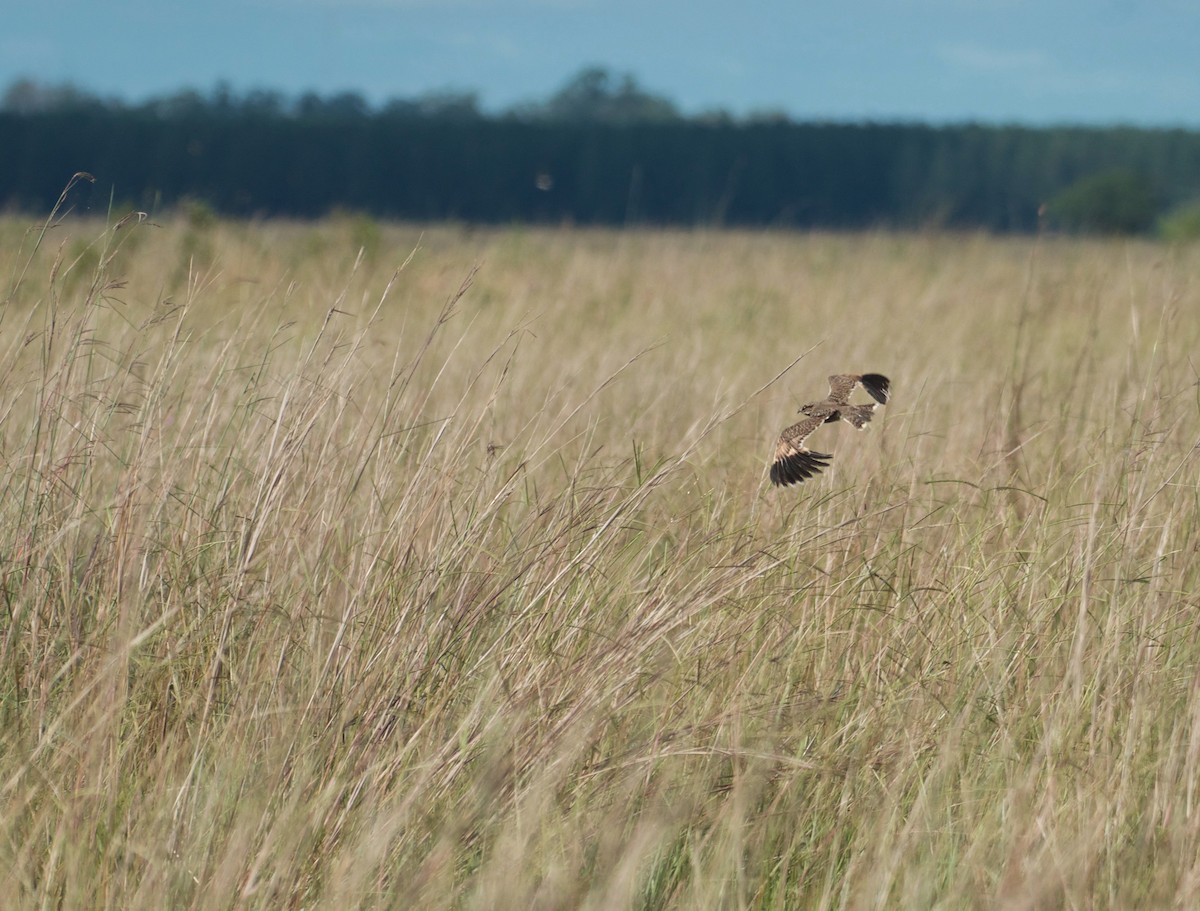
x=794, y=462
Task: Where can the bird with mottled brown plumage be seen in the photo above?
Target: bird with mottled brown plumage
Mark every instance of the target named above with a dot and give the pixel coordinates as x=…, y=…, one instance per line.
x=794, y=462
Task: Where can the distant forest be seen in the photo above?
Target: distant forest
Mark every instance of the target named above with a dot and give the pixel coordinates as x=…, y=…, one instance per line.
x=600, y=151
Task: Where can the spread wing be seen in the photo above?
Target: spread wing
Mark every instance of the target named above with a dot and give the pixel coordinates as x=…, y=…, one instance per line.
x=794, y=462
x=840, y=387
x=878, y=386
x=842, y=384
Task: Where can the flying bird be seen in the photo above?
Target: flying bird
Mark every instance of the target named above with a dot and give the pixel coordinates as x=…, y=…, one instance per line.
x=794, y=462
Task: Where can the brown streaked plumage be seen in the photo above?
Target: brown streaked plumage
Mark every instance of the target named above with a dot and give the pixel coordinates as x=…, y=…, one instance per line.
x=795, y=463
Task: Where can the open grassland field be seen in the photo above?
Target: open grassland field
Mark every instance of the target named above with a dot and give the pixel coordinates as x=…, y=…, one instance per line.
x=349, y=566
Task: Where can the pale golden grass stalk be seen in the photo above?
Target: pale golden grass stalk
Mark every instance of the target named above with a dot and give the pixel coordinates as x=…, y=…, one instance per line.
x=353, y=566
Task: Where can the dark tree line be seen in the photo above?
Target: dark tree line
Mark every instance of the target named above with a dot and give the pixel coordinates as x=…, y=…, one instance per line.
x=600, y=151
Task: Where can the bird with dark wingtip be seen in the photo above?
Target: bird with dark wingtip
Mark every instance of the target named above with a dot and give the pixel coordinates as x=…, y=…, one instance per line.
x=794, y=462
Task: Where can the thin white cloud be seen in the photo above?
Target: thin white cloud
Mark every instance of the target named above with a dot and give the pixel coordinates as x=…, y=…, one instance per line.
x=494, y=45
x=20, y=53
x=1038, y=72
x=993, y=60
x=478, y=6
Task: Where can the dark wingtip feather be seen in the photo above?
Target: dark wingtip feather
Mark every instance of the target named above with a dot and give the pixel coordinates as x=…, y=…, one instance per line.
x=878, y=386
x=798, y=467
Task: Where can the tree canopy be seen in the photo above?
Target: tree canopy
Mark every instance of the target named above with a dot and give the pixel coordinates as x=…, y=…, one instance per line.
x=600, y=150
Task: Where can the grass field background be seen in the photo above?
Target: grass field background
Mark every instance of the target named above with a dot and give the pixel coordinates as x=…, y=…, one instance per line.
x=350, y=565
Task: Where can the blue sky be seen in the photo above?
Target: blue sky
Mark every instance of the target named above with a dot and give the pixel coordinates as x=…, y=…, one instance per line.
x=1027, y=61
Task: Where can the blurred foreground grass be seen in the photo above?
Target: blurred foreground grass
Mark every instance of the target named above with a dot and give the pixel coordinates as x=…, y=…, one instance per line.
x=355, y=566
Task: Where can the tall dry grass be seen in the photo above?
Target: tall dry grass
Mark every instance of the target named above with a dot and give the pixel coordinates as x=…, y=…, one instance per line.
x=355, y=566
